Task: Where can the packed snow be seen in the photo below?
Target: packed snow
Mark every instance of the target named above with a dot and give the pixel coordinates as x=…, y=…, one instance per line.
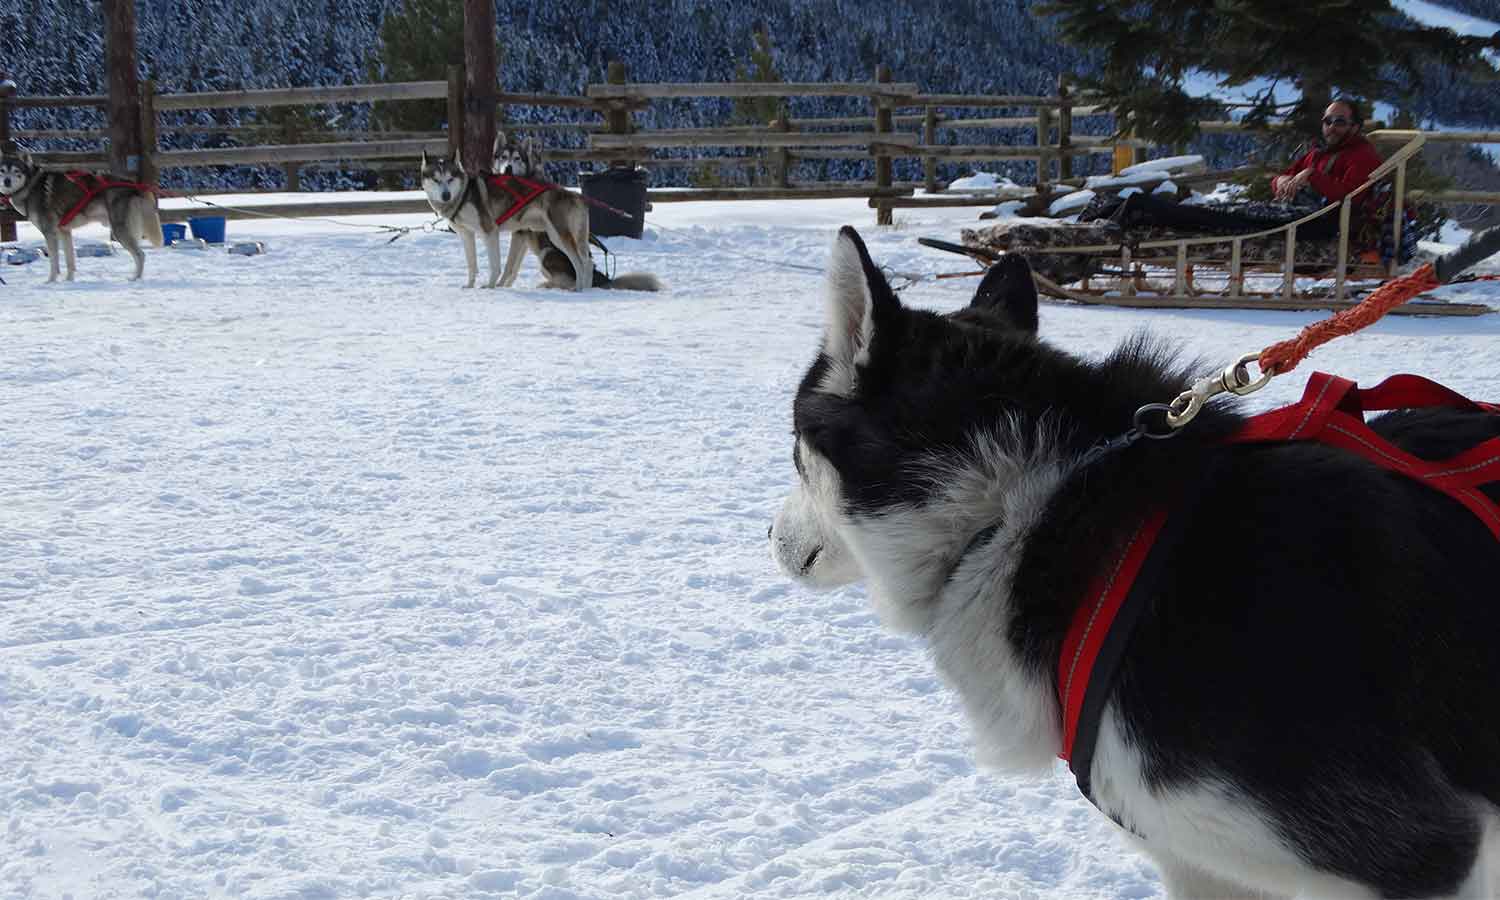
x=323, y=577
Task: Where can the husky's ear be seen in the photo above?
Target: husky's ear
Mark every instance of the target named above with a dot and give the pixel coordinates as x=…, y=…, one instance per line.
x=1009, y=291
x=499, y=142
x=858, y=302
x=424, y=159
x=458, y=159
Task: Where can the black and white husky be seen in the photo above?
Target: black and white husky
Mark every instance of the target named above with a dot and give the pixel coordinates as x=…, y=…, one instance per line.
x=1310, y=702
x=47, y=198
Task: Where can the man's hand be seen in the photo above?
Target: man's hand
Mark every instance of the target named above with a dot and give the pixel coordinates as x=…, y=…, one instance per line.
x=1285, y=187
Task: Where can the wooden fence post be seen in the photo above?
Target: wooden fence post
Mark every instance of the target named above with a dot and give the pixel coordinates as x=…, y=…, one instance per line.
x=1122, y=157
x=1064, y=130
x=479, y=84
x=1043, y=143
x=618, y=116
x=929, y=138
x=781, y=158
x=883, y=127
x=293, y=170
x=7, y=91
x=455, y=109
x=149, y=172
x=124, y=88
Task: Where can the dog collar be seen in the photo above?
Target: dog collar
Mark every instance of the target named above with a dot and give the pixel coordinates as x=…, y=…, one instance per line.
x=10, y=199
x=1140, y=429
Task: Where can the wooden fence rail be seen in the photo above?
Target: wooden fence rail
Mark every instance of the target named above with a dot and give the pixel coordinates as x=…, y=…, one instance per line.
x=648, y=140
x=880, y=136
x=746, y=89
x=354, y=93
x=274, y=153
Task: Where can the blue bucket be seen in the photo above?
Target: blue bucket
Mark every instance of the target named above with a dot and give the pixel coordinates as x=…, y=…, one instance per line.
x=172, y=232
x=208, y=228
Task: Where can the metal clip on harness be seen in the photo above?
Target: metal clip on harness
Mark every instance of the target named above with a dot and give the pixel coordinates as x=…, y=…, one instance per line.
x=1235, y=379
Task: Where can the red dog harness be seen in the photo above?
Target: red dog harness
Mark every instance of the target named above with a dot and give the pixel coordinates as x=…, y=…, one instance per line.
x=92, y=186
x=521, y=191
x=1331, y=412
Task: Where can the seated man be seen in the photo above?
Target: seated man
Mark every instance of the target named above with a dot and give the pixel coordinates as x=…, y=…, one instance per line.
x=1326, y=173
x=1340, y=165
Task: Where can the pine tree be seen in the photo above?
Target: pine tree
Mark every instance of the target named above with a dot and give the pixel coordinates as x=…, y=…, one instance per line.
x=761, y=69
x=1148, y=48
x=418, y=43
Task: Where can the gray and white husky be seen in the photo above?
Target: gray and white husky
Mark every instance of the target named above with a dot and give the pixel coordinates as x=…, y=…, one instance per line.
x=45, y=198
x=554, y=224
x=1306, y=703
x=463, y=200
x=554, y=227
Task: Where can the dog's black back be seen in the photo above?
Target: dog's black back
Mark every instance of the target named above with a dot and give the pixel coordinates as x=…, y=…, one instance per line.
x=1324, y=636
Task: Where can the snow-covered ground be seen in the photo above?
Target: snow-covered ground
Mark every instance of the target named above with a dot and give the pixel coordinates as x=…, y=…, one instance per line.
x=322, y=577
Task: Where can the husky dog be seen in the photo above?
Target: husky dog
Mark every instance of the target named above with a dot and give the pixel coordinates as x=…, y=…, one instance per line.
x=45, y=199
x=1307, y=705
x=464, y=202
x=554, y=226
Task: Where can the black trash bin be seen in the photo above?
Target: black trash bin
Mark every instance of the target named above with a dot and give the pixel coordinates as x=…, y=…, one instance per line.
x=620, y=189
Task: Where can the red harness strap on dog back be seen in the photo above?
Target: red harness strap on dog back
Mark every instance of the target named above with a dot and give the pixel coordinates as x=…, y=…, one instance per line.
x=1331, y=412
x=92, y=186
x=520, y=190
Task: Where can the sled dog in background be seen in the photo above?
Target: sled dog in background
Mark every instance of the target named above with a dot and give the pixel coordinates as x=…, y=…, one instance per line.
x=1305, y=704
x=463, y=202
x=56, y=203
x=552, y=224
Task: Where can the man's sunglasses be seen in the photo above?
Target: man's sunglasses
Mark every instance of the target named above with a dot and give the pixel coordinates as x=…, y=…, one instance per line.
x=1336, y=120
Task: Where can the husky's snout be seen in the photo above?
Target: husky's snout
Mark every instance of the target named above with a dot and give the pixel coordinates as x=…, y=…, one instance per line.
x=806, y=549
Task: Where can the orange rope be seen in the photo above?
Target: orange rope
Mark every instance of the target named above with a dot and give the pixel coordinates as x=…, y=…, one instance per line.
x=1281, y=358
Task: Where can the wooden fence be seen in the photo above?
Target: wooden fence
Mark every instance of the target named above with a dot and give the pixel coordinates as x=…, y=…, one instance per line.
x=903, y=123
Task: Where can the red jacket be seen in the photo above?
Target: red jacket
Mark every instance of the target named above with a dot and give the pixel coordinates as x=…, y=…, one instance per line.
x=1337, y=172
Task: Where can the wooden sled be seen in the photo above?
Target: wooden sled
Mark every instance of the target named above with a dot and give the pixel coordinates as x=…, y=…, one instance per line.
x=1139, y=283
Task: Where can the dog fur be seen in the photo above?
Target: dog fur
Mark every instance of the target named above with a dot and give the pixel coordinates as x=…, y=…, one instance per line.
x=45, y=197
x=1307, y=705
